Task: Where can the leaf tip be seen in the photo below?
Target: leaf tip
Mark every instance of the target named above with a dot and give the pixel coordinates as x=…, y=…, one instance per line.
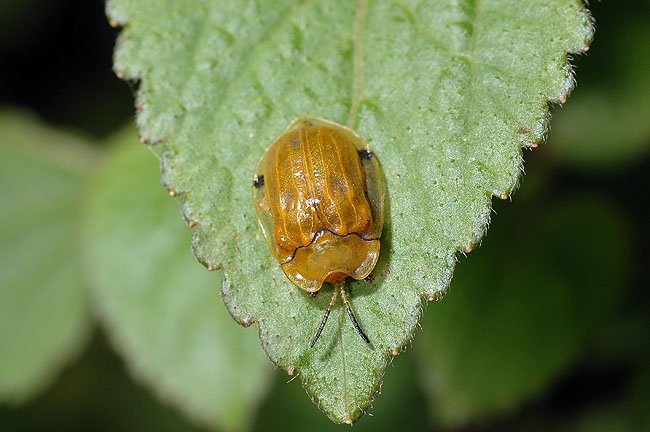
x=247, y=321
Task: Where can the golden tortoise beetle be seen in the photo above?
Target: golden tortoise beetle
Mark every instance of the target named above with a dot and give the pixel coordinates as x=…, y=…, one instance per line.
x=319, y=198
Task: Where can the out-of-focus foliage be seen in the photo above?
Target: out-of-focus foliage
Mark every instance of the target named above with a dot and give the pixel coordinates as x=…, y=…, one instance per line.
x=161, y=308
x=518, y=316
x=43, y=304
x=606, y=125
x=96, y=394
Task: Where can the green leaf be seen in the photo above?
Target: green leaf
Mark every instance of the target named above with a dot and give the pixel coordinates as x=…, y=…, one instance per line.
x=446, y=93
x=606, y=124
x=43, y=306
x=161, y=309
x=521, y=310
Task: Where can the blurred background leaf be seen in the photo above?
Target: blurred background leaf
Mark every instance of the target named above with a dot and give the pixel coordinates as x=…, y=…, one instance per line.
x=606, y=125
x=44, y=317
x=95, y=394
x=162, y=309
x=517, y=316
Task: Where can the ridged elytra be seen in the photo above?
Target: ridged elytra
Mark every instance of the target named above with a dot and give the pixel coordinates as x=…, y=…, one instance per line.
x=319, y=198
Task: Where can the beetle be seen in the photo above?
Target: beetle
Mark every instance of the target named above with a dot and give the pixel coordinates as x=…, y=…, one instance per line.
x=319, y=199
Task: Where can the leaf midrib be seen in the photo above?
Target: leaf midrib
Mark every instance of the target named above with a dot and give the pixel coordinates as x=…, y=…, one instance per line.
x=357, y=95
x=344, y=369
x=357, y=59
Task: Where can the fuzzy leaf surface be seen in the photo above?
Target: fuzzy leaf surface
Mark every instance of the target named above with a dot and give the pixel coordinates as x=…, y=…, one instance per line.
x=447, y=93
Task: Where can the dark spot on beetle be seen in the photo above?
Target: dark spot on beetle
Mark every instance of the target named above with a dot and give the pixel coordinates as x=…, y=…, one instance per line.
x=258, y=181
x=295, y=142
x=369, y=278
x=365, y=154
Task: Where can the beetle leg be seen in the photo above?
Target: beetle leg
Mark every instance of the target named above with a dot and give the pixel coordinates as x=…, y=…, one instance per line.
x=322, y=324
x=351, y=315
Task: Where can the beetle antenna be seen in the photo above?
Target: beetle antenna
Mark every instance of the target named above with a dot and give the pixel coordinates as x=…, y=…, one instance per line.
x=322, y=324
x=352, y=317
